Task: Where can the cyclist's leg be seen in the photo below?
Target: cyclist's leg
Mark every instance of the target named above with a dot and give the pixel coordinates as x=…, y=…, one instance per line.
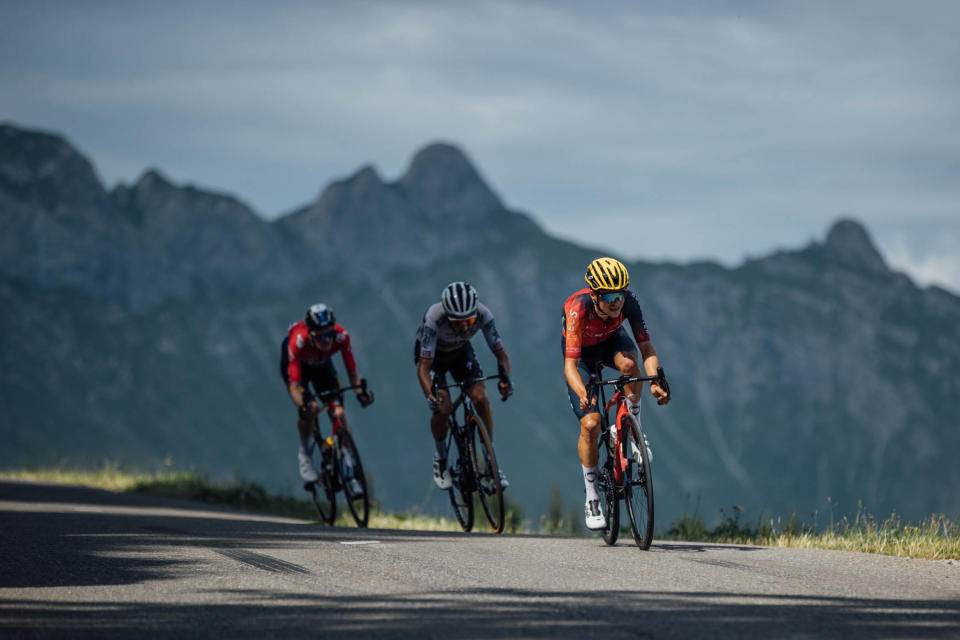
x=438, y=421
x=304, y=463
x=439, y=425
x=587, y=449
x=626, y=361
x=466, y=367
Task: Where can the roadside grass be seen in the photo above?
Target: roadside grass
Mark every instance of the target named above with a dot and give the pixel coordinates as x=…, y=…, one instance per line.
x=242, y=495
x=934, y=538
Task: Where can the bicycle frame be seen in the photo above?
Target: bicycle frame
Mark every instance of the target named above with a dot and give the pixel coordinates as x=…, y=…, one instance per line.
x=616, y=481
x=339, y=455
x=328, y=401
x=475, y=472
x=619, y=400
x=463, y=400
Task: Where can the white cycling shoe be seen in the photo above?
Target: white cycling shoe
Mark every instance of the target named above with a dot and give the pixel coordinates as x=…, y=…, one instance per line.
x=635, y=452
x=441, y=475
x=353, y=485
x=593, y=516
x=307, y=470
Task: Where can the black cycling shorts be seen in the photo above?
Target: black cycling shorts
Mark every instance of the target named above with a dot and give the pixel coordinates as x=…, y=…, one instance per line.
x=602, y=352
x=462, y=364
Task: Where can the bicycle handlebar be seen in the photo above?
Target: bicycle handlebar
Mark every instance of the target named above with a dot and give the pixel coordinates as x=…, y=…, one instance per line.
x=501, y=375
x=330, y=394
x=595, y=381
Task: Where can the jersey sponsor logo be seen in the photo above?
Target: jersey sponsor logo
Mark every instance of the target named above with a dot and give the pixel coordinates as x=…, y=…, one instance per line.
x=426, y=354
x=300, y=342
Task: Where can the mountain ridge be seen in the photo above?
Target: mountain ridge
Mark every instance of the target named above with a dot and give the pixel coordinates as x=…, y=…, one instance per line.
x=803, y=374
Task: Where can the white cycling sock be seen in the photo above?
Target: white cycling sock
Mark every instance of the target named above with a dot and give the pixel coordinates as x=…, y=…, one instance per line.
x=590, y=482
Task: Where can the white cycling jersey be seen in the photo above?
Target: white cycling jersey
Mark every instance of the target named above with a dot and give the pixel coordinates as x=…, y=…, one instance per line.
x=435, y=332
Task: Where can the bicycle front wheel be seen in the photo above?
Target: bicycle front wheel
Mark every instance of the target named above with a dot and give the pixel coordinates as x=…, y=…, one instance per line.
x=351, y=469
x=488, y=473
x=461, y=473
x=324, y=497
x=638, y=481
x=609, y=501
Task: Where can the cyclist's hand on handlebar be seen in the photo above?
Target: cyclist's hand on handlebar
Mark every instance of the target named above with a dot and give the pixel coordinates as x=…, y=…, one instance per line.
x=506, y=389
x=432, y=403
x=308, y=410
x=662, y=396
x=365, y=398
x=586, y=402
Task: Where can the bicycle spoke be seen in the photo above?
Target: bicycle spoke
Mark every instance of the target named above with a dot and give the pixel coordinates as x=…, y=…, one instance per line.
x=639, y=491
x=322, y=490
x=461, y=492
x=609, y=500
x=488, y=474
x=351, y=469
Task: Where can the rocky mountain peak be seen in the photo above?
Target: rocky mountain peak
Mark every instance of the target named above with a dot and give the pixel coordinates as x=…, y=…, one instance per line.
x=849, y=241
x=45, y=169
x=442, y=181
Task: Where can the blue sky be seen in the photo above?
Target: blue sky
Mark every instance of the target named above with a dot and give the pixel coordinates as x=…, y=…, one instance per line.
x=717, y=130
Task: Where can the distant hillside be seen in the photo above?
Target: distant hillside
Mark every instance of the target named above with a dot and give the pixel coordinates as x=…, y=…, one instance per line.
x=143, y=324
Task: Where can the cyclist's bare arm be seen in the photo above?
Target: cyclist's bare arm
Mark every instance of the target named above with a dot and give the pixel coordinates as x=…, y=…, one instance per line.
x=650, y=364
x=573, y=379
x=503, y=360
x=423, y=375
x=296, y=394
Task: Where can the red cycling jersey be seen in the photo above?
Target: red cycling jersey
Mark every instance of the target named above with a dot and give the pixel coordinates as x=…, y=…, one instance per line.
x=300, y=349
x=582, y=327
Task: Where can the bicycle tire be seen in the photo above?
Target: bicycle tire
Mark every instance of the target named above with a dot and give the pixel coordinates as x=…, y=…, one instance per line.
x=638, y=484
x=324, y=496
x=488, y=473
x=359, y=505
x=461, y=474
x=609, y=501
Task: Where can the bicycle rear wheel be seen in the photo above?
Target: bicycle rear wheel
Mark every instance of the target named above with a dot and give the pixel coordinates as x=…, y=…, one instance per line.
x=609, y=501
x=324, y=497
x=638, y=492
x=461, y=473
x=358, y=503
x=488, y=473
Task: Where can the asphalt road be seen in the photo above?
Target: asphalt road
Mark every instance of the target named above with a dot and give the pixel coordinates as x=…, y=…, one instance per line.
x=79, y=562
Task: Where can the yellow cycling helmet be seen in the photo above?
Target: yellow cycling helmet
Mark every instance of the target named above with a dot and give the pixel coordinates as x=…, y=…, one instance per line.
x=607, y=274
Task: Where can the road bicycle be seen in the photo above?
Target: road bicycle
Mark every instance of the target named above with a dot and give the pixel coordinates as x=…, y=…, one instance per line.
x=625, y=473
x=337, y=462
x=473, y=462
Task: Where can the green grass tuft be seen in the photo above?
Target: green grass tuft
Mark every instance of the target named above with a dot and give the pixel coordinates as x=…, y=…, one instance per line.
x=934, y=538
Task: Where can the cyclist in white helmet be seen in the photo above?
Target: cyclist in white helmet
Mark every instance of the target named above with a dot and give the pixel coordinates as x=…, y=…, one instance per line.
x=443, y=344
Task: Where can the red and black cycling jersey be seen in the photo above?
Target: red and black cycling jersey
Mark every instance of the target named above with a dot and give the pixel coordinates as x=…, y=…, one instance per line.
x=582, y=327
x=302, y=351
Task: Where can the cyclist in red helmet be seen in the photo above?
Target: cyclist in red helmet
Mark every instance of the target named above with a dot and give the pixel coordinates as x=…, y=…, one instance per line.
x=306, y=358
x=593, y=332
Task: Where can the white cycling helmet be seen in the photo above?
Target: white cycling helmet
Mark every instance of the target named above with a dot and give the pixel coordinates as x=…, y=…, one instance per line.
x=319, y=315
x=459, y=300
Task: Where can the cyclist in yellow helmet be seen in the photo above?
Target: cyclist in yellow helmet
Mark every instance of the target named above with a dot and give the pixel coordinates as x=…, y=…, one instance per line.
x=593, y=332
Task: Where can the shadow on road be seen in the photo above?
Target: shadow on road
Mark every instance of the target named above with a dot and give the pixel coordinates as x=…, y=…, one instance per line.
x=65, y=546
x=482, y=613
